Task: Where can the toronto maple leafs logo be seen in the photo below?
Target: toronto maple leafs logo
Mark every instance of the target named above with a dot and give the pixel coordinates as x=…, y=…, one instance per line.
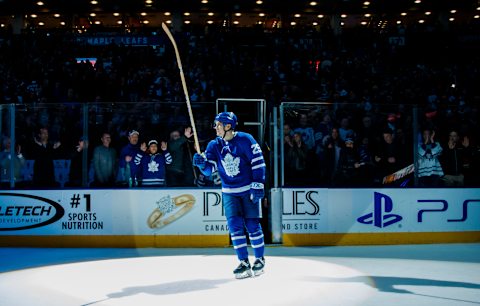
x=231, y=165
x=153, y=166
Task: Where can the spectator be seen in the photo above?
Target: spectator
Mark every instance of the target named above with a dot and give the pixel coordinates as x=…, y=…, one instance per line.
x=296, y=159
x=348, y=166
x=6, y=163
x=104, y=163
x=387, y=156
x=452, y=160
x=44, y=152
x=152, y=165
x=306, y=131
x=76, y=164
x=177, y=169
x=366, y=171
x=367, y=130
x=333, y=145
x=429, y=170
x=127, y=171
x=345, y=131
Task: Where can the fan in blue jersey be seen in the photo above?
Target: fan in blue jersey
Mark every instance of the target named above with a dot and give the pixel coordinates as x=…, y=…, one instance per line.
x=152, y=164
x=239, y=161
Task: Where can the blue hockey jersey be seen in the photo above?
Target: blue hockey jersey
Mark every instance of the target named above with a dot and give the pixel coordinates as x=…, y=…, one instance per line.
x=152, y=168
x=238, y=161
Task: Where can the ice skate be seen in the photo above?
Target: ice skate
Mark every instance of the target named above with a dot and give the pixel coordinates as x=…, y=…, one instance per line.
x=258, y=266
x=243, y=270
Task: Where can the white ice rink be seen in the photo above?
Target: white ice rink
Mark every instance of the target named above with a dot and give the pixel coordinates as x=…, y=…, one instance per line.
x=411, y=275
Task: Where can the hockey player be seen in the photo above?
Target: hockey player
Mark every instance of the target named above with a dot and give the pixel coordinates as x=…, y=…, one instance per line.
x=239, y=161
x=152, y=165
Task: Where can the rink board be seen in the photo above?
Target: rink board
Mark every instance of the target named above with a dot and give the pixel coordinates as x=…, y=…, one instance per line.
x=195, y=217
x=113, y=218
x=380, y=216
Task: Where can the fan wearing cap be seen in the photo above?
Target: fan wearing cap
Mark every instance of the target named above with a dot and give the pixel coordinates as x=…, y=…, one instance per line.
x=239, y=161
x=152, y=164
x=346, y=173
x=127, y=172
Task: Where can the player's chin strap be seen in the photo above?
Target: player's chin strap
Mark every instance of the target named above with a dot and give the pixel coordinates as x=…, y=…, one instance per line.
x=225, y=132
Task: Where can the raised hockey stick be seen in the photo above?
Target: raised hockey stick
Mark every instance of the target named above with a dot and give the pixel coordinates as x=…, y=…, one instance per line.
x=184, y=84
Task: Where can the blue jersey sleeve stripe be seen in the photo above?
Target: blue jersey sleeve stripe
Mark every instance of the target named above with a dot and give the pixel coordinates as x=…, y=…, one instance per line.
x=259, y=166
x=257, y=159
x=214, y=165
x=168, y=158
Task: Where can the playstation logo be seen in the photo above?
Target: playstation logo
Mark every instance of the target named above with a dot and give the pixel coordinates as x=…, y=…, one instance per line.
x=380, y=217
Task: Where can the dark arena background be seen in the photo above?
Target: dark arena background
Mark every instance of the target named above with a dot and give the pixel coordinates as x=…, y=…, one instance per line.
x=366, y=113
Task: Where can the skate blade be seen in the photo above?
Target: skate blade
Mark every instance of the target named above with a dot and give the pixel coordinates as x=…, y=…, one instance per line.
x=258, y=273
x=243, y=275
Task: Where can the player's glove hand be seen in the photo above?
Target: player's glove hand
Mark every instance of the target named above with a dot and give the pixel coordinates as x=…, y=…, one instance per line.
x=256, y=192
x=199, y=160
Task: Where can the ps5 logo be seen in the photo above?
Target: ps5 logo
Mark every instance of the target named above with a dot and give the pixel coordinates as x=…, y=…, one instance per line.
x=380, y=216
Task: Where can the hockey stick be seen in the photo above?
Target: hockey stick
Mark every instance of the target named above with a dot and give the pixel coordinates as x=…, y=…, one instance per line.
x=184, y=84
x=399, y=174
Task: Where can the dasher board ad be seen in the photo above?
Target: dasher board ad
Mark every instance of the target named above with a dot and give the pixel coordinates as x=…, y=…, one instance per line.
x=380, y=210
x=112, y=212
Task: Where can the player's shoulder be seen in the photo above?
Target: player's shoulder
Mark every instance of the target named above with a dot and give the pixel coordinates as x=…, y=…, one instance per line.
x=242, y=136
x=214, y=142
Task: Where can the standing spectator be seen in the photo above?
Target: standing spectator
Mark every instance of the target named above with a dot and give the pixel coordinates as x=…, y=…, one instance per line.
x=452, y=160
x=387, y=156
x=104, y=162
x=366, y=171
x=44, y=152
x=347, y=171
x=176, y=170
x=429, y=170
x=127, y=171
x=333, y=145
x=296, y=160
x=345, y=131
x=152, y=165
x=306, y=131
x=6, y=163
x=367, y=130
x=76, y=164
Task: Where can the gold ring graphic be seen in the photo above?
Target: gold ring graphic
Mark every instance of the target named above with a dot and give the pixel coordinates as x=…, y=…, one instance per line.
x=166, y=205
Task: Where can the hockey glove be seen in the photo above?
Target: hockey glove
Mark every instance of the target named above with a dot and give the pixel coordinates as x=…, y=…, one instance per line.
x=256, y=192
x=199, y=160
